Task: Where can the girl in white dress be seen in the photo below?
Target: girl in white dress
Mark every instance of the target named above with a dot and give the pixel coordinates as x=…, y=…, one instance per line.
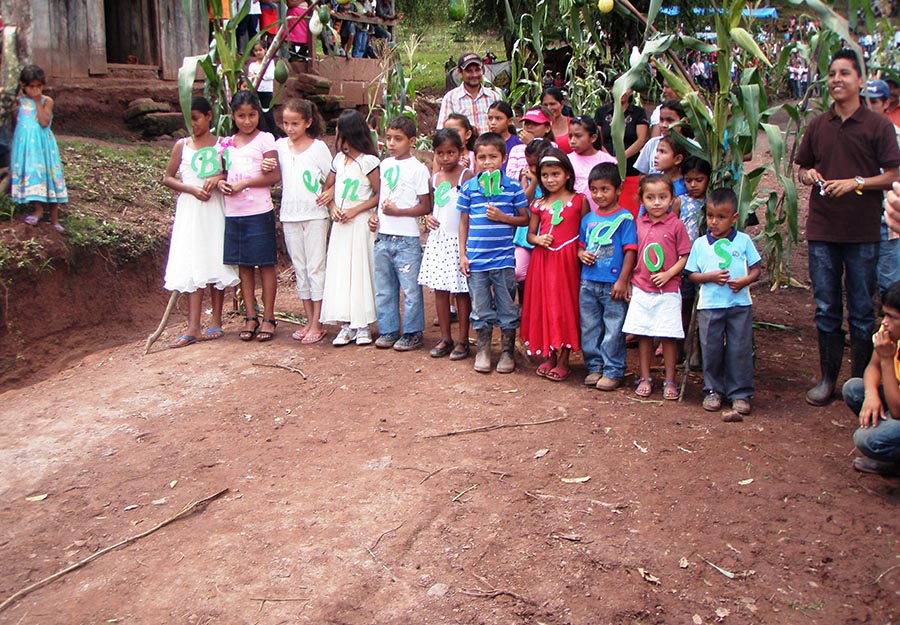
x=198, y=233
x=353, y=184
x=440, y=263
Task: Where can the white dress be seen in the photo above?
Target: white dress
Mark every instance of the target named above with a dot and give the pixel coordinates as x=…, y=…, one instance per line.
x=198, y=237
x=440, y=263
x=349, y=294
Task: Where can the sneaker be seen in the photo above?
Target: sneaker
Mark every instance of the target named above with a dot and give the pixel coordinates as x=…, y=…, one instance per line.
x=364, y=336
x=592, y=378
x=409, y=342
x=879, y=467
x=344, y=337
x=386, y=341
x=608, y=384
x=712, y=402
x=741, y=406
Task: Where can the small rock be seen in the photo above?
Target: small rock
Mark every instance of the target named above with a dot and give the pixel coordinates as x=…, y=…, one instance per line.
x=438, y=590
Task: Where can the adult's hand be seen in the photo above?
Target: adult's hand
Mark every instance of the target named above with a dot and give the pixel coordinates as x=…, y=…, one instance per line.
x=893, y=208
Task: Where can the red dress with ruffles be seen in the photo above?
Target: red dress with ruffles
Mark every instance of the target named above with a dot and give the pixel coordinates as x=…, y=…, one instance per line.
x=550, y=318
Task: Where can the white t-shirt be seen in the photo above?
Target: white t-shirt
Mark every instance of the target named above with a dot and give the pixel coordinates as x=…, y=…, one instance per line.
x=267, y=84
x=302, y=174
x=402, y=182
x=255, y=8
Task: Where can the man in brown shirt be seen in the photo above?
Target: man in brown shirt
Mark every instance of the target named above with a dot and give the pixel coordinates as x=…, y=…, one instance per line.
x=849, y=156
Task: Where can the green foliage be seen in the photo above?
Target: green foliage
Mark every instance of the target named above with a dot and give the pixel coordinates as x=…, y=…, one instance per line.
x=394, y=85
x=115, y=240
x=223, y=65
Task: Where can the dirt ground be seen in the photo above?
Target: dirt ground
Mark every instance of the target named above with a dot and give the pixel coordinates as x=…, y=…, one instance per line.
x=349, y=503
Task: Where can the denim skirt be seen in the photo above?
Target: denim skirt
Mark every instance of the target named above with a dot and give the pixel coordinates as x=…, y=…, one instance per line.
x=250, y=240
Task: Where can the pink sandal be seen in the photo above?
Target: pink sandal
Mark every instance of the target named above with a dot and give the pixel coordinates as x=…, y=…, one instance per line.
x=300, y=334
x=670, y=390
x=644, y=387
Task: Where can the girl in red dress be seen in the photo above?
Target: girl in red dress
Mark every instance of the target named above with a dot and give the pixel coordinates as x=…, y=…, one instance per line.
x=550, y=317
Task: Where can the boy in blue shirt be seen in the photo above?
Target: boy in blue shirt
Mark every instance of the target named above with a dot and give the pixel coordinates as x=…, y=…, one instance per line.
x=724, y=263
x=492, y=205
x=607, y=249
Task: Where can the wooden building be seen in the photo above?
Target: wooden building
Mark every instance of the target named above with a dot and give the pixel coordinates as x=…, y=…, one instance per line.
x=80, y=38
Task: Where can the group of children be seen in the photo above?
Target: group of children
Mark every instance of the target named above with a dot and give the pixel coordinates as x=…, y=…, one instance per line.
x=596, y=273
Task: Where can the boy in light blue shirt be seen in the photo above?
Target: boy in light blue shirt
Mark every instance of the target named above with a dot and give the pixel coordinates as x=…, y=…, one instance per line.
x=724, y=262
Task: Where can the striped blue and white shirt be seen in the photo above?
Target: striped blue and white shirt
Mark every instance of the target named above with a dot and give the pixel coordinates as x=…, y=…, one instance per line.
x=490, y=243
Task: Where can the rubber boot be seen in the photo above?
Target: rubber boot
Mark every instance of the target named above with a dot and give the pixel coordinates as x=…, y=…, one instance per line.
x=860, y=355
x=507, y=363
x=831, y=353
x=483, y=355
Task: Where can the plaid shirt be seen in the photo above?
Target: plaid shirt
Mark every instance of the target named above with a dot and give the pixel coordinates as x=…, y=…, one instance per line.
x=458, y=100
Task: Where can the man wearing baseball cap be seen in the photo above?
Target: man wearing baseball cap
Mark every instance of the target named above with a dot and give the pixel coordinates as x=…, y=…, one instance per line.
x=471, y=98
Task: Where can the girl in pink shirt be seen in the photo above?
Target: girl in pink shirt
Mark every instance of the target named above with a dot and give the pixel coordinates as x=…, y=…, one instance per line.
x=249, y=213
x=584, y=139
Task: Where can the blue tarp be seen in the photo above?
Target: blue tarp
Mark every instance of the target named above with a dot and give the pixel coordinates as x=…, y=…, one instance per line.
x=769, y=13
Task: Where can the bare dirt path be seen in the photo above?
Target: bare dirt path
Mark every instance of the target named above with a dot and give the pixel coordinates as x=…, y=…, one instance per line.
x=345, y=507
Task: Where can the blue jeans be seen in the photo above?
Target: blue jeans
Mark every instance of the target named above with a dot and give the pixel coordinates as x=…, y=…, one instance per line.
x=602, y=340
x=360, y=38
x=827, y=263
x=397, y=261
x=888, y=260
x=493, y=296
x=882, y=441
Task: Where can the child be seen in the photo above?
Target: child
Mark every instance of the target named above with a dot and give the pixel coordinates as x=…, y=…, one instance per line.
x=875, y=398
x=655, y=307
x=398, y=254
x=536, y=122
x=35, y=168
x=724, y=263
x=608, y=242
x=461, y=124
x=501, y=120
x=353, y=183
x=671, y=112
x=491, y=206
x=305, y=162
x=198, y=233
x=670, y=154
x=250, y=214
x=550, y=315
x=584, y=140
x=440, y=263
x=266, y=83
x=695, y=173
x=529, y=181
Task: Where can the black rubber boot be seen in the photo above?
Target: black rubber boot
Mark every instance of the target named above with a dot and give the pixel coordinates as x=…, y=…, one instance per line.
x=831, y=353
x=507, y=363
x=483, y=355
x=860, y=355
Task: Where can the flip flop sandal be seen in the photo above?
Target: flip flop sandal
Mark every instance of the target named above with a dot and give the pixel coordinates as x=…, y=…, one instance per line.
x=313, y=337
x=558, y=374
x=300, y=334
x=644, y=387
x=59, y=228
x=247, y=335
x=31, y=220
x=670, y=391
x=544, y=369
x=264, y=336
x=183, y=341
x=211, y=334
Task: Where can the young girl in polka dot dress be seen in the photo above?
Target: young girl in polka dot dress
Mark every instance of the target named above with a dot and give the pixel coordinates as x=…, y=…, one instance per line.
x=440, y=263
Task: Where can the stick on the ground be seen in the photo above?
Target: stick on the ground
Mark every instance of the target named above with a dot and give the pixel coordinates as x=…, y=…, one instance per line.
x=690, y=344
x=383, y=534
x=430, y=475
x=492, y=592
x=495, y=426
x=893, y=568
x=285, y=367
x=188, y=509
x=162, y=324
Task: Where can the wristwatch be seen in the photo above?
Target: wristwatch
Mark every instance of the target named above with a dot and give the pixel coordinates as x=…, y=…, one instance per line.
x=860, y=183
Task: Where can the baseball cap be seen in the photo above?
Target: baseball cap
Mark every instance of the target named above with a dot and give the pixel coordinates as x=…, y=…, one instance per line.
x=878, y=89
x=535, y=115
x=468, y=58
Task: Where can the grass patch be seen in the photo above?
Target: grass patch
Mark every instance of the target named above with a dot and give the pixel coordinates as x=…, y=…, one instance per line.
x=440, y=42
